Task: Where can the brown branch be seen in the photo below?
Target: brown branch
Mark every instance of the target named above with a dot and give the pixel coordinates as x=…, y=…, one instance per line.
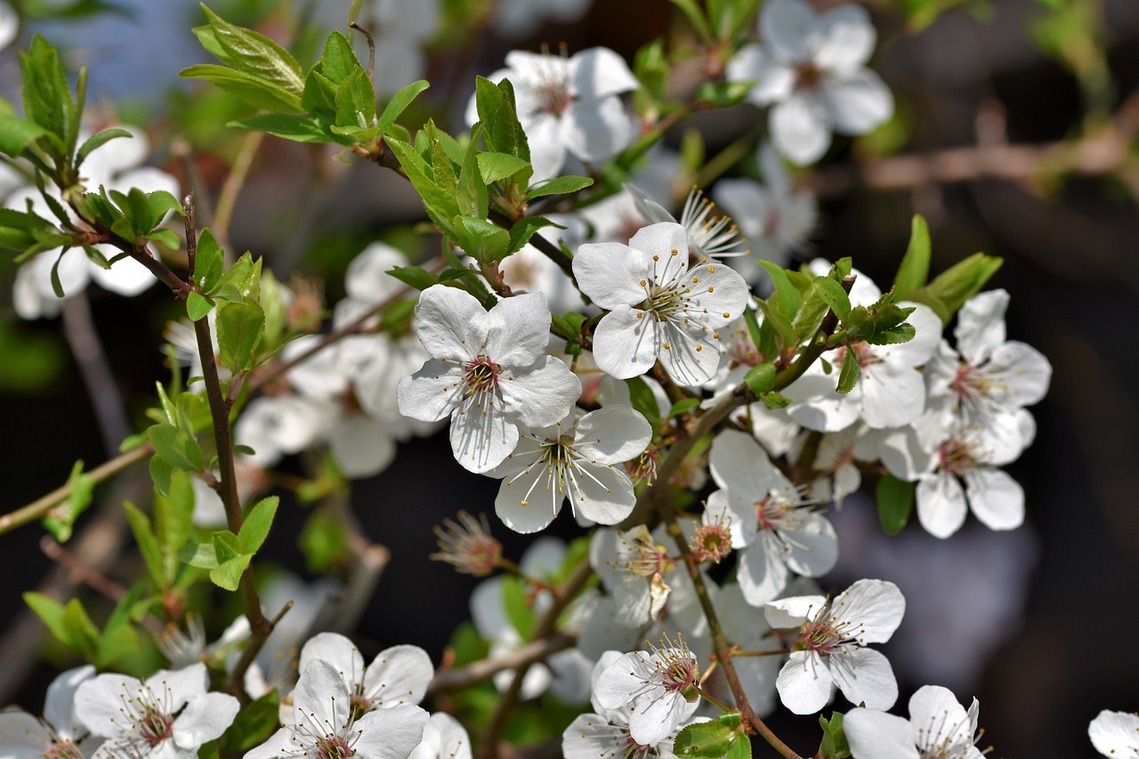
x=1101, y=152
x=480, y=671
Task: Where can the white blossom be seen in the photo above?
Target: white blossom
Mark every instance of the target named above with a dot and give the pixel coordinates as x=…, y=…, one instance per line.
x=169, y=715
x=938, y=728
x=489, y=372
x=829, y=648
x=659, y=307
x=568, y=105
x=811, y=68
x=58, y=734
x=578, y=458
x=324, y=723
x=659, y=687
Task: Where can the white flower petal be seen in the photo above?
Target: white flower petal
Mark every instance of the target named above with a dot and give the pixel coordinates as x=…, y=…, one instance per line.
x=873, y=607
x=864, y=676
x=626, y=343
x=800, y=128
x=847, y=39
x=390, y=733
x=338, y=652
x=398, y=675
x=206, y=717
x=1115, y=734
x=518, y=330
x=788, y=29
x=873, y=734
x=598, y=71
x=995, y=497
x=940, y=504
x=451, y=323
x=597, y=130
x=857, y=102
x=805, y=684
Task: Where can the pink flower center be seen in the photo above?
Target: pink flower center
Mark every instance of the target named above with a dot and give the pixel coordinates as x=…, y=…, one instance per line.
x=154, y=727
x=333, y=747
x=481, y=375
x=712, y=542
x=62, y=750
x=956, y=457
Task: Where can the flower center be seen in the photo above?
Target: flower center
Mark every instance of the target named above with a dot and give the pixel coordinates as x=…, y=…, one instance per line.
x=712, y=542
x=333, y=747
x=957, y=457
x=808, y=76
x=468, y=545
x=481, y=375
x=826, y=634
x=358, y=706
x=62, y=749
x=154, y=727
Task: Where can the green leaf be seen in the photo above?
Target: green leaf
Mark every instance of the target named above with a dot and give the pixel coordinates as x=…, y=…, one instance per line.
x=499, y=117
x=201, y=555
x=240, y=327
x=255, y=54
x=173, y=520
x=226, y=545
x=248, y=88
x=198, y=306
x=895, y=502
x=147, y=545
x=914, y=269
x=558, y=186
x=642, y=399
x=82, y=635
x=414, y=276
x=851, y=371
x=833, y=745
x=97, y=140
x=496, y=166
x=441, y=207
x=339, y=60
x=760, y=379
x=705, y=739
x=696, y=18
x=176, y=448
x=518, y=612
x=160, y=473
x=834, y=295
x=257, y=524
x=60, y=520
x=253, y=725
x=119, y=638
x=399, y=103
x=483, y=241
x=741, y=749
x=209, y=262
x=47, y=98
x=227, y=575
x=16, y=134
x=356, y=102
x=902, y=333
x=963, y=280
x=524, y=229
x=683, y=406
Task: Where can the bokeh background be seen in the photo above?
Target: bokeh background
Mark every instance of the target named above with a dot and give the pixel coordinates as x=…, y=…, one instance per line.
x=1039, y=623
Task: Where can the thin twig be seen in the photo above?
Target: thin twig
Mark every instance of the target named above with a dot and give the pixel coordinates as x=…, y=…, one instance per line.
x=480, y=671
x=91, y=359
x=231, y=188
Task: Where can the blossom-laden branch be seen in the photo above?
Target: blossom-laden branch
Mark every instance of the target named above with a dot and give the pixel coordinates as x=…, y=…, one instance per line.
x=480, y=671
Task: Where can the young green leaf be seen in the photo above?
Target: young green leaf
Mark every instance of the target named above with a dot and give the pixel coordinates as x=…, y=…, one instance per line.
x=257, y=524
x=563, y=185
x=255, y=54
x=240, y=327
x=914, y=269
x=851, y=371
x=496, y=166
x=708, y=740
x=147, y=545
x=16, y=134
x=895, y=502
x=399, y=103
x=833, y=745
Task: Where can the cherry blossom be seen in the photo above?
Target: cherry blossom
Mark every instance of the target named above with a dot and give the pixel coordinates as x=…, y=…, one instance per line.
x=489, y=372
x=659, y=686
x=812, y=68
x=58, y=734
x=324, y=723
x=659, y=307
x=568, y=105
x=578, y=458
x=169, y=715
x=829, y=647
x=777, y=531
x=938, y=728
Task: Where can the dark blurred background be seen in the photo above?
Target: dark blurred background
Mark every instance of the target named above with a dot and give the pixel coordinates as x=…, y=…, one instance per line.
x=1038, y=623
